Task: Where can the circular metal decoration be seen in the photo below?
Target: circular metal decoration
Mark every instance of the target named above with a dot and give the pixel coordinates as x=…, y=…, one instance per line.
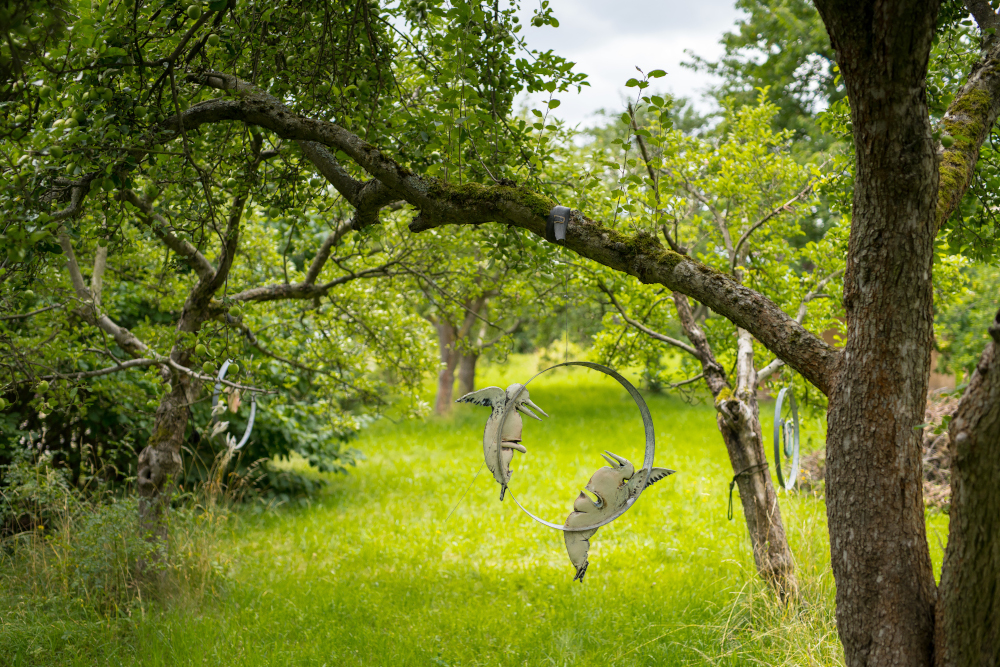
x=647, y=462
x=787, y=443
x=253, y=404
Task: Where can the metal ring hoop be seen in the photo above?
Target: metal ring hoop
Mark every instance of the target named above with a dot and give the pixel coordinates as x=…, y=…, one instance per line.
x=779, y=435
x=647, y=462
x=253, y=403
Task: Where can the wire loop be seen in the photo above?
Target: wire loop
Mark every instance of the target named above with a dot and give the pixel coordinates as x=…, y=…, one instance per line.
x=787, y=440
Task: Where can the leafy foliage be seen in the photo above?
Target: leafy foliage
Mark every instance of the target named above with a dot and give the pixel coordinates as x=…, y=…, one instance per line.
x=433, y=82
x=706, y=195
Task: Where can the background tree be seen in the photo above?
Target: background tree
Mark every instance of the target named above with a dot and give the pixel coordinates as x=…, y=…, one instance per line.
x=733, y=202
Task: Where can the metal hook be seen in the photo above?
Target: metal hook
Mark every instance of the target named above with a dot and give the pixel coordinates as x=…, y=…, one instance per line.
x=253, y=404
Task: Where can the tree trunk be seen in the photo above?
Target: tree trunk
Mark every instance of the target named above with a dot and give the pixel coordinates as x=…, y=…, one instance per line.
x=879, y=554
x=447, y=342
x=968, y=611
x=160, y=460
x=467, y=373
x=739, y=423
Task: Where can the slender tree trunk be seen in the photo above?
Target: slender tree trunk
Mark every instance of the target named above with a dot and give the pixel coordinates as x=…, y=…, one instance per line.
x=968, y=610
x=467, y=373
x=160, y=460
x=447, y=341
x=739, y=423
x=878, y=542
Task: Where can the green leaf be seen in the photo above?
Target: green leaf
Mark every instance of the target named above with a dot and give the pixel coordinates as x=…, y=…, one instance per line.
x=554, y=103
x=632, y=83
x=657, y=73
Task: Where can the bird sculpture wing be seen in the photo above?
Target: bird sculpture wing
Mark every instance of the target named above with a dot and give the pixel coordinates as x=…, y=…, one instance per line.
x=655, y=475
x=491, y=397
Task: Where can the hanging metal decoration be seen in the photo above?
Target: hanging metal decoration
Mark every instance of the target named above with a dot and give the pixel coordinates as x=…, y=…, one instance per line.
x=786, y=437
x=615, y=488
x=499, y=444
x=253, y=405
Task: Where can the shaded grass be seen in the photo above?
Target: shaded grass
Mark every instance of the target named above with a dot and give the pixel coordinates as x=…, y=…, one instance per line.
x=376, y=573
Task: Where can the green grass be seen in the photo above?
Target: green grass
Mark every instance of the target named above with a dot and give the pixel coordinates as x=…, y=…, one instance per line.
x=375, y=572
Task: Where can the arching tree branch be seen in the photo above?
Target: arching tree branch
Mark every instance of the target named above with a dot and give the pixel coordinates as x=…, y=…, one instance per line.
x=441, y=204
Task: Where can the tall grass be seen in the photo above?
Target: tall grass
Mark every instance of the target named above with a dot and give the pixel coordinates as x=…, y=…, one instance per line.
x=82, y=568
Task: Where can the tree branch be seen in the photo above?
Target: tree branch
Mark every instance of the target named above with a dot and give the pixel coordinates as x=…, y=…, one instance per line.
x=32, y=313
x=123, y=366
x=156, y=222
x=644, y=329
x=441, y=204
x=675, y=385
x=769, y=370
x=815, y=294
x=787, y=206
x=305, y=290
x=124, y=338
x=97, y=276
x=969, y=119
x=715, y=375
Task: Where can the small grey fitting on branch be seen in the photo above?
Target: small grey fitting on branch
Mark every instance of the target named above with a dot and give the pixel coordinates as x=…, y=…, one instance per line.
x=556, y=224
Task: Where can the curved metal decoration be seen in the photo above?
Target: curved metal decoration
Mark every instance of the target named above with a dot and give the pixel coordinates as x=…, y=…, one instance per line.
x=788, y=440
x=647, y=462
x=253, y=404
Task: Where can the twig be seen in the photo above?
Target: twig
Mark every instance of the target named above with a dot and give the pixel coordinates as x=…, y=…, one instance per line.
x=34, y=312
x=644, y=329
x=787, y=206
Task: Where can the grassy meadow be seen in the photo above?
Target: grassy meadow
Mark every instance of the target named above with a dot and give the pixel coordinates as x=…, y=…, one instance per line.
x=412, y=560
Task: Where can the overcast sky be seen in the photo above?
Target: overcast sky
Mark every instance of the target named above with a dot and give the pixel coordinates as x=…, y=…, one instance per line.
x=608, y=40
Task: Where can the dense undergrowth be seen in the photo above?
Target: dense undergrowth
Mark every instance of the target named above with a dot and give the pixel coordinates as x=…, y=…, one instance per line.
x=411, y=559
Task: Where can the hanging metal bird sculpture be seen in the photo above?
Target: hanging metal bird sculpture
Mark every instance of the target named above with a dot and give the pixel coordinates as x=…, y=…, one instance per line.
x=612, y=487
x=496, y=398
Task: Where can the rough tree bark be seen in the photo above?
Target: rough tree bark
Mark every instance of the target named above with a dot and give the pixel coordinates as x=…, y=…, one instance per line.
x=968, y=611
x=879, y=554
x=447, y=338
x=467, y=373
x=160, y=459
x=738, y=420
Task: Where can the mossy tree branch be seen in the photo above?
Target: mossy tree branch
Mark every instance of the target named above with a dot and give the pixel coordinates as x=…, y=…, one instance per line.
x=439, y=203
x=968, y=120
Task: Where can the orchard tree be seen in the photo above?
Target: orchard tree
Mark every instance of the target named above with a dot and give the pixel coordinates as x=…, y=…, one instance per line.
x=737, y=203
x=476, y=301
x=781, y=46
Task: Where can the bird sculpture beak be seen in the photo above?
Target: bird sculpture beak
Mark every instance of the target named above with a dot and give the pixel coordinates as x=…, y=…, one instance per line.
x=523, y=407
x=615, y=460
